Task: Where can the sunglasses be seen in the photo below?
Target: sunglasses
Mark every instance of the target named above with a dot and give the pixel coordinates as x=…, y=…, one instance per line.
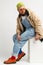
x=22, y=9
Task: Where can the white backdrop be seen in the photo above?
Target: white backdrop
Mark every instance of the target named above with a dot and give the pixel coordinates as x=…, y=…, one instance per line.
x=8, y=15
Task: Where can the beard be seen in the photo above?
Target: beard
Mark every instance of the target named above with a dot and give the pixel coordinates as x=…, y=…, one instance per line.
x=26, y=13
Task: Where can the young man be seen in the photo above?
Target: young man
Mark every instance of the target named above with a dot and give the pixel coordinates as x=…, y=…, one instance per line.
x=28, y=26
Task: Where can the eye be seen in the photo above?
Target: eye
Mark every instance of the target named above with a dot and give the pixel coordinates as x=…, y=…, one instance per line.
x=23, y=8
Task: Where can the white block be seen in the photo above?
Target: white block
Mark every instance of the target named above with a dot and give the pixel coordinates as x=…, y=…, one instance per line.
x=36, y=51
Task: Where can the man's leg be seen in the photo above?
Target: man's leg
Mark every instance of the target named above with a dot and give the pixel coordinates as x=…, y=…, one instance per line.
x=28, y=34
x=21, y=53
x=12, y=59
x=14, y=38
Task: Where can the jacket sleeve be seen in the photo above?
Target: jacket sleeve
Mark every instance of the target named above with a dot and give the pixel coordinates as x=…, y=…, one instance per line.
x=37, y=23
x=17, y=27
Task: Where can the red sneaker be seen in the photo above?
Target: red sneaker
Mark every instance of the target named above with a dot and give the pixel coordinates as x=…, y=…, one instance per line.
x=20, y=56
x=11, y=60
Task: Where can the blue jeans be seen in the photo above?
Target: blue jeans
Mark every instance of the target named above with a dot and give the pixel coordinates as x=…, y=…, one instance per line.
x=28, y=34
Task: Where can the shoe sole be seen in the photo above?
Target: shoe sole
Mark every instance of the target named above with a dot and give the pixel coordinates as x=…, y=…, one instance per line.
x=10, y=63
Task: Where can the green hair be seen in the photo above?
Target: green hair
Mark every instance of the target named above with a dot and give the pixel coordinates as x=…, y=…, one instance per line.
x=19, y=5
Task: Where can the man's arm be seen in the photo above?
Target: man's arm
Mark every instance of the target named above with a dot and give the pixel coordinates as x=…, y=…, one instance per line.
x=18, y=30
x=37, y=22
x=17, y=27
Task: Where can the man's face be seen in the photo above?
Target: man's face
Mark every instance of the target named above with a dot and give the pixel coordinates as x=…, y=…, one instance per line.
x=21, y=10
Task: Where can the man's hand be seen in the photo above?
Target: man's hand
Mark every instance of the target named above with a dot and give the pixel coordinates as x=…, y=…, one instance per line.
x=37, y=37
x=19, y=37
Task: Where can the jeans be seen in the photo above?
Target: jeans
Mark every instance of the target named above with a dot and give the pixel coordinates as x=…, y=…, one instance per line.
x=28, y=34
